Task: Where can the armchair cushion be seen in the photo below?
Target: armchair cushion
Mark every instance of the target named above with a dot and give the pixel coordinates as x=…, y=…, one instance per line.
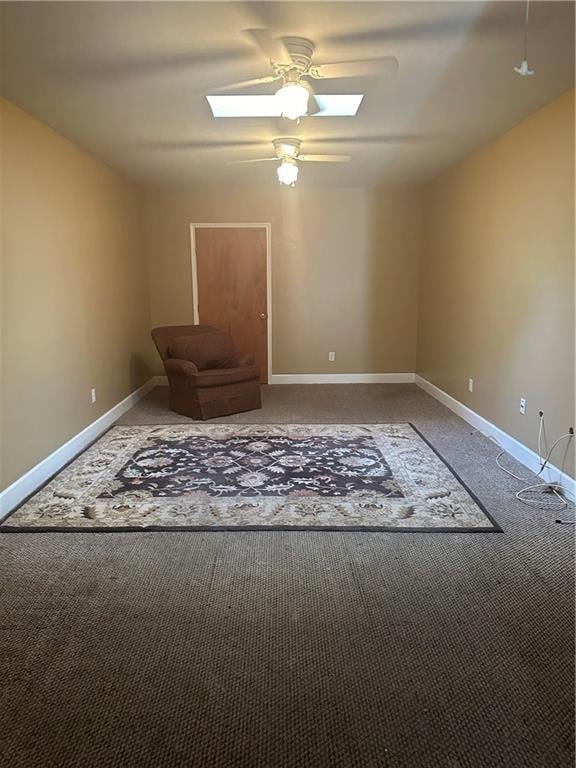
x=220, y=376
x=206, y=351
x=245, y=360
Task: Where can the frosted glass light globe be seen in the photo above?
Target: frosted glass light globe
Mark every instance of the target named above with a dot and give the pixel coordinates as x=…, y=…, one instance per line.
x=287, y=172
x=293, y=99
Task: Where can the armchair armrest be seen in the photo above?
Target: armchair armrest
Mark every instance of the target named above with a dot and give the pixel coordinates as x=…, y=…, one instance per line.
x=183, y=367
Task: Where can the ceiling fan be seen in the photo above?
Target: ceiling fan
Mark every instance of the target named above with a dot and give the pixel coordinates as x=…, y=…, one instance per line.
x=287, y=151
x=291, y=62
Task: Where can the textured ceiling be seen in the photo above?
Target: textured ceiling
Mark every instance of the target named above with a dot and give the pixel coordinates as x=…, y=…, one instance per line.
x=127, y=81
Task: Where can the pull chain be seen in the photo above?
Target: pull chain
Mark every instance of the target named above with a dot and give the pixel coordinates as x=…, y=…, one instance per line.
x=524, y=69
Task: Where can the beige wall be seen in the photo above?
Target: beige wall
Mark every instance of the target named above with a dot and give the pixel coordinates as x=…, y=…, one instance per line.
x=493, y=240
x=75, y=305
x=344, y=270
x=497, y=281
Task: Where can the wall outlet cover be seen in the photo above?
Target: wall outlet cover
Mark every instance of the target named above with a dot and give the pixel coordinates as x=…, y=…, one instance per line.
x=331, y=356
x=522, y=405
x=470, y=385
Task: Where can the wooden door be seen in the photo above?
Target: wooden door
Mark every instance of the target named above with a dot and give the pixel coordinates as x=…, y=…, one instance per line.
x=231, y=270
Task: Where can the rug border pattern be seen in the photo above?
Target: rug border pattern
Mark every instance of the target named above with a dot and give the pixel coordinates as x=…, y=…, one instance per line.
x=495, y=528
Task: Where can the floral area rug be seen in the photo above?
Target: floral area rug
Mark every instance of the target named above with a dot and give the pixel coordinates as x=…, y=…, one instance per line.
x=369, y=477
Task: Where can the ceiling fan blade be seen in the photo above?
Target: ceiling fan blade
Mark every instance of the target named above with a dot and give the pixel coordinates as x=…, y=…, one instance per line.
x=272, y=47
x=324, y=158
x=142, y=67
x=256, y=160
x=262, y=15
x=247, y=83
x=387, y=65
x=200, y=145
x=438, y=28
x=313, y=106
x=398, y=138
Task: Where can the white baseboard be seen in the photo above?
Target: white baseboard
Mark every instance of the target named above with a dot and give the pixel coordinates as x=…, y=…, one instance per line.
x=326, y=378
x=514, y=447
x=342, y=378
x=38, y=475
x=34, y=478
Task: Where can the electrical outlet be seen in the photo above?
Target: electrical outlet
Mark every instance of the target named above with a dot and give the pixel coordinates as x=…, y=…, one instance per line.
x=92, y=395
x=522, y=405
x=470, y=385
x=331, y=356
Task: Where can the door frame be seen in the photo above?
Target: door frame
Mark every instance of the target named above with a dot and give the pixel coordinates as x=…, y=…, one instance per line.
x=194, y=267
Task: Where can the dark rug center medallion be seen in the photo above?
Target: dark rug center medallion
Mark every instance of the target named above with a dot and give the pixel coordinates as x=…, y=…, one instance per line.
x=226, y=476
x=248, y=466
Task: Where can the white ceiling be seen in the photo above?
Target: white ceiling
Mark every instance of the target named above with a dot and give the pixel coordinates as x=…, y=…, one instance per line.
x=127, y=81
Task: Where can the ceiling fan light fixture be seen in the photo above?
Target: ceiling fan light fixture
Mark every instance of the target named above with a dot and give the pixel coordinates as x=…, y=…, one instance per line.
x=287, y=171
x=293, y=100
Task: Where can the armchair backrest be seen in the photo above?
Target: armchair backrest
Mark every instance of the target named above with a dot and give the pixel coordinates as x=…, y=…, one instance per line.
x=208, y=351
x=164, y=335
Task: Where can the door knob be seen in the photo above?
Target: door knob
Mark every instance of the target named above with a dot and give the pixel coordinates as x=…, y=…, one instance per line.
x=262, y=316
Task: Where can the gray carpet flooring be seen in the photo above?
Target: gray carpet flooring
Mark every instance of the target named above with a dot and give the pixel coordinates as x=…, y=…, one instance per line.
x=291, y=650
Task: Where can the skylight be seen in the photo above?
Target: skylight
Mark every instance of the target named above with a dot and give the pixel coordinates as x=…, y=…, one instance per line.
x=331, y=105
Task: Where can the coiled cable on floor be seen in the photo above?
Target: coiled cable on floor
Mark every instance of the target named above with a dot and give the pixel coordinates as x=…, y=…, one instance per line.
x=554, y=489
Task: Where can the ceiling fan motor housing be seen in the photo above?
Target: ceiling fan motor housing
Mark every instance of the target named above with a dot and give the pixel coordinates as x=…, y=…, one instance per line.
x=301, y=51
x=287, y=147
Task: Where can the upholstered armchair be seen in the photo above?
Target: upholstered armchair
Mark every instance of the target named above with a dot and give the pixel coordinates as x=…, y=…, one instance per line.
x=205, y=376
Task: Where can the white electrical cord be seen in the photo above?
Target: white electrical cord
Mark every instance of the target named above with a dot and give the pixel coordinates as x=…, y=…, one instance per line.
x=526, y=22
x=550, y=487
x=524, y=68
